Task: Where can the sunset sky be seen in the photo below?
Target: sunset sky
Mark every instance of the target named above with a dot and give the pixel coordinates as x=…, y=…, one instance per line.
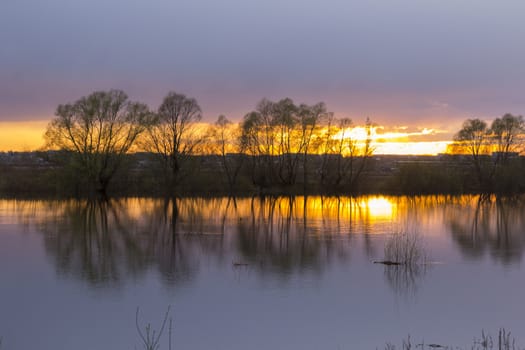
x=409, y=65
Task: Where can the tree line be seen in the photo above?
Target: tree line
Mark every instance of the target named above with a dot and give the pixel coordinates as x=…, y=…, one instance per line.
x=483, y=158
x=271, y=145
x=279, y=147
x=493, y=152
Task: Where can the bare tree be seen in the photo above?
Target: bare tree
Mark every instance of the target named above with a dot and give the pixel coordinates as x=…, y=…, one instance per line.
x=344, y=143
x=324, y=145
x=359, y=156
x=474, y=140
x=174, y=135
x=310, y=118
x=258, y=136
x=279, y=136
x=344, y=157
x=506, y=133
x=230, y=147
x=507, y=140
x=98, y=130
x=285, y=121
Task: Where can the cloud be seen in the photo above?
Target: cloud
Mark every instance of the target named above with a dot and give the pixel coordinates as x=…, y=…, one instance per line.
x=395, y=62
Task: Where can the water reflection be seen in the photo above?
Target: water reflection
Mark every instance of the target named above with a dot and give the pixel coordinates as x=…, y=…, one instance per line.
x=405, y=280
x=87, y=239
x=279, y=235
x=108, y=243
x=495, y=227
x=310, y=264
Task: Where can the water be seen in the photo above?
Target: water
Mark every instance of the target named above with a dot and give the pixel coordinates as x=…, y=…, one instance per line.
x=281, y=273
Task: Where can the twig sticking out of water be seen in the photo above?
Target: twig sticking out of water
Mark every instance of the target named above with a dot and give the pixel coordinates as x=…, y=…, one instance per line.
x=404, y=248
x=151, y=339
x=407, y=345
x=505, y=342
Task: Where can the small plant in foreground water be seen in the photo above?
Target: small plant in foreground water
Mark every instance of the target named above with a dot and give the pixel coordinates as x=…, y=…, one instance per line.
x=504, y=341
x=486, y=342
x=404, y=248
x=405, y=261
x=150, y=338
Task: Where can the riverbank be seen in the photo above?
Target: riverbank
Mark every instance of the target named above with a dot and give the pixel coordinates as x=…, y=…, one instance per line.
x=49, y=174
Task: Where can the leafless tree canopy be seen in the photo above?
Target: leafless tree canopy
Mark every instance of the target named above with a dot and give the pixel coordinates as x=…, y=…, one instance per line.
x=98, y=129
x=173, y=133
x=490, y=148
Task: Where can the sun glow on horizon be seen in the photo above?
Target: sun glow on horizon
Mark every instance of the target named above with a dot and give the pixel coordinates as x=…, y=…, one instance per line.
x=22, y=136
x=28, y=136
x=429, y=148
x=395, y=142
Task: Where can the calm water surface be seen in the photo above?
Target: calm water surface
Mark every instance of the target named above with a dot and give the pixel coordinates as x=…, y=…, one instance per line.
x=278, y=273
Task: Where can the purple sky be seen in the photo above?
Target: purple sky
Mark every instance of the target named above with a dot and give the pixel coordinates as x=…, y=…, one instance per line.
x=400, y=62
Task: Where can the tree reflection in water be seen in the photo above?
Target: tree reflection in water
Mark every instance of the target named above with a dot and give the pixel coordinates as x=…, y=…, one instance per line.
x=107, y=242
x=495, y=226
x=89, y=238
x=277, y=236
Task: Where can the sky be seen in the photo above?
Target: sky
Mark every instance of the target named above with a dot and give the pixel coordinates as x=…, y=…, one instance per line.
x=402, y=63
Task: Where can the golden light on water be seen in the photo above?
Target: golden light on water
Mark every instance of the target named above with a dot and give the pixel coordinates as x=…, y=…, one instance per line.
x=366, y=209
x=378, y=208
x=271, y=218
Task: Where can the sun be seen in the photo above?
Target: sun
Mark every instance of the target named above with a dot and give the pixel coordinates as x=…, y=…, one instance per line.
x=378, y=207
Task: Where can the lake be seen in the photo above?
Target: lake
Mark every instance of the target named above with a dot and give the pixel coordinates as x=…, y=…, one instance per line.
x=259, y=273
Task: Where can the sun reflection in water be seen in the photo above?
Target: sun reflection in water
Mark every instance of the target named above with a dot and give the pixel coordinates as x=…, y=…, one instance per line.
x=378, y=208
